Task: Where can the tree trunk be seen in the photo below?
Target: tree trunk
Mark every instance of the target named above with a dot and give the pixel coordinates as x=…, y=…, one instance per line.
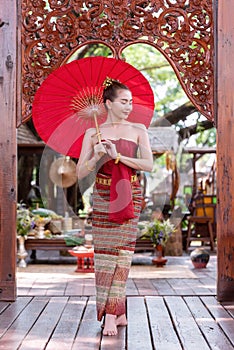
x=176, y=115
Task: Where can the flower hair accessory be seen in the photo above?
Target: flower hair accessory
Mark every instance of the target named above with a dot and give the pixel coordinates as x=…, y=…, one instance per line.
x=108, y=82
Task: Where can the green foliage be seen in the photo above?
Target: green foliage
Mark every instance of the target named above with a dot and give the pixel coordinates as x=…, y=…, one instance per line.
x=161, y=76
x=42, y=212
x=24, y=220
x=27, y=219
x=71, y=241
x=159, y=231
x=206, y=137
x=98, y=50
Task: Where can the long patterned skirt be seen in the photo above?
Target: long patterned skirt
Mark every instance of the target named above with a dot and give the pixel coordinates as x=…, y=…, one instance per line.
x=114, y=246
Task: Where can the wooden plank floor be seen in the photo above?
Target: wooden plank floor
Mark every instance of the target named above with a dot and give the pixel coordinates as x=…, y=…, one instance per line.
x=154, y=322
x=55, y=309
x=178, y=277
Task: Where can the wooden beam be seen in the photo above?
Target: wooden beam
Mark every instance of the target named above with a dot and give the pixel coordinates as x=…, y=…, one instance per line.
x=8, y=27
x=225, y=148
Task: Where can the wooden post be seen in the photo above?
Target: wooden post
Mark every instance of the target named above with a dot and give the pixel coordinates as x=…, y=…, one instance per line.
x=8, y=27
x=225, y=149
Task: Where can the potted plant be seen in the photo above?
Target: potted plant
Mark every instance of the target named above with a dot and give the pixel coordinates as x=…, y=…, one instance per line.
x=24, y=223
x=159, y=231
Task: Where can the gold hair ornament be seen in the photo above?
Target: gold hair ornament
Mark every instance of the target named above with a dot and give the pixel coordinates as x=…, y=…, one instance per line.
x=108, y=82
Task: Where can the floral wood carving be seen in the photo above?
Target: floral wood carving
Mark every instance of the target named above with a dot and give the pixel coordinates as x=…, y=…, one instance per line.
x=181, y=29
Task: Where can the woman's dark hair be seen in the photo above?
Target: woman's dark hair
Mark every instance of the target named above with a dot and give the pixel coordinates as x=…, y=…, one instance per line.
x=110, y=91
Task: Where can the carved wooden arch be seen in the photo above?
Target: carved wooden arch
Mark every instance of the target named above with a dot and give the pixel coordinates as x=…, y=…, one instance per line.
x=182, y=30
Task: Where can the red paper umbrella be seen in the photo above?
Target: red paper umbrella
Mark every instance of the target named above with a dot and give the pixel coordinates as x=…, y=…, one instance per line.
x=69, y=101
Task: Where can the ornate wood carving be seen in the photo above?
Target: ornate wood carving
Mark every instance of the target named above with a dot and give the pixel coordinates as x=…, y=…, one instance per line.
x=181, y=29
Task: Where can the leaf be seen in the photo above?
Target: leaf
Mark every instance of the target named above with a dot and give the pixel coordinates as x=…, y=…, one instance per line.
x=73, y=241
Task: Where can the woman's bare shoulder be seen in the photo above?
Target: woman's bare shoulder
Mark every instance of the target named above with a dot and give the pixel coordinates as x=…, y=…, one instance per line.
x=138, y=127
x=90, y=136
x=91, y=131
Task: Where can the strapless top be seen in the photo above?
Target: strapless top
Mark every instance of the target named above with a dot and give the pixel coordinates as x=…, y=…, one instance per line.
x=124, y=147
x=121, y=206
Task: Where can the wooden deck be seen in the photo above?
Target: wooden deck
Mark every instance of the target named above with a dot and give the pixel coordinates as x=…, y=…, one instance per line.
x=168, y=308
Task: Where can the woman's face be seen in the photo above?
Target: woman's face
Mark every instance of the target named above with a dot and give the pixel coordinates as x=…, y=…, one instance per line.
x=122, y=105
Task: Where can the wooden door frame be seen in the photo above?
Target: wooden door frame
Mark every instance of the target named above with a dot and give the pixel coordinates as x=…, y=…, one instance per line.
x=224, y=112
x=8, y=150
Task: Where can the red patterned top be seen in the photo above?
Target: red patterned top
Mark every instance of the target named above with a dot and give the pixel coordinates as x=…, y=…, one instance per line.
x=121, y=204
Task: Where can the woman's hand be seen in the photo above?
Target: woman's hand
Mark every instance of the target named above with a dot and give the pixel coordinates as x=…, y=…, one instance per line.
x=110, y=149
x=99, y=150
x=105, y=147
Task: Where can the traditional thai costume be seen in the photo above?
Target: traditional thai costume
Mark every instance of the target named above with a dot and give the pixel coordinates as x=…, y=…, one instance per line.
x=117, y=202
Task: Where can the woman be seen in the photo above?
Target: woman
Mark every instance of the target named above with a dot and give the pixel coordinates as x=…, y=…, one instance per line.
x=117, y=198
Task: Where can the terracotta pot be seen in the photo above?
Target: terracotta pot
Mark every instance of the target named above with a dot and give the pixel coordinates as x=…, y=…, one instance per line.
x=200, y=258
x=159, y=259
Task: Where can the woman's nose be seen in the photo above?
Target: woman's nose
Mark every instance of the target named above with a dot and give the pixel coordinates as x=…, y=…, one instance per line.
x=129, y=106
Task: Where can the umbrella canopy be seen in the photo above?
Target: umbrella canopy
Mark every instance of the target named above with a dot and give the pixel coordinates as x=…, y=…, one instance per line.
x=66, y=103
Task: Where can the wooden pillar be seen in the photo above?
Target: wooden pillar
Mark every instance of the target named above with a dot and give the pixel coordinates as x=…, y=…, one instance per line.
x=225, y=148
x=194, y=175
x=8, y=27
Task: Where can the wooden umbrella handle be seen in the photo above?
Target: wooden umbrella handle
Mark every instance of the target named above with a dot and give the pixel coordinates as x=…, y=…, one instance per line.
x=98, y=132
x=97, y=127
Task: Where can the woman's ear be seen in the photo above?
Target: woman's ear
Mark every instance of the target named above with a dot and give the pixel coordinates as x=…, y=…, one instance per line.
x=108, y=104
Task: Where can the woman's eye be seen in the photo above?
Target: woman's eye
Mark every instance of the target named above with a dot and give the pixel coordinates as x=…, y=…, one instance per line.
x=126, y=102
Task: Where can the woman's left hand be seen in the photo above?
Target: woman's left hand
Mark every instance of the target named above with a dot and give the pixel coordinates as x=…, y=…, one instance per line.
x=110, y=148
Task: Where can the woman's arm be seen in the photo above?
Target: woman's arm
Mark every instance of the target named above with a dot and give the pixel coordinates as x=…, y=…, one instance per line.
x=145, y=162
x=90, y=154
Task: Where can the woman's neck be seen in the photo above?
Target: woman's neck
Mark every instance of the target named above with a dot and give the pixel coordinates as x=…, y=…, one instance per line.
x=115, y=121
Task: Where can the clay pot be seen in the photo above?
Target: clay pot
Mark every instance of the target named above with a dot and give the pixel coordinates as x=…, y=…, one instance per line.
x=159, y=259
x=200, y=258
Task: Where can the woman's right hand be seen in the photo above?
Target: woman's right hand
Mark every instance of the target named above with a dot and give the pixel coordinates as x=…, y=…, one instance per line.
x=99, y=150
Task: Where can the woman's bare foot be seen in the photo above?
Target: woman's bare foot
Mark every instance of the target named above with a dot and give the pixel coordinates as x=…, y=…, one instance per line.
x=121, y=320
x=110, y=327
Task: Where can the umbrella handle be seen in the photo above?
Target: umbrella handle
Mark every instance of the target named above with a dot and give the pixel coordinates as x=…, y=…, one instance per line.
x=98, y=132
x=97, y=127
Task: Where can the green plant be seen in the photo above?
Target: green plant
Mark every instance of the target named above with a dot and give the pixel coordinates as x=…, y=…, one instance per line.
x=159, y=231
x=24, y=221
x=45, y=213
